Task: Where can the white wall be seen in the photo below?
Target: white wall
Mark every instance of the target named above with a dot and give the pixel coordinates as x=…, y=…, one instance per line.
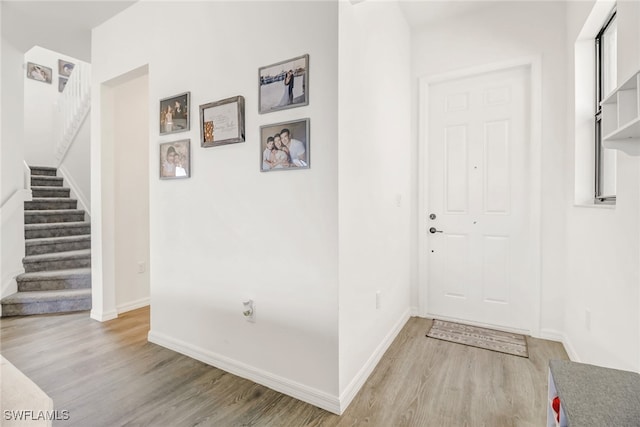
x=11, y=167
x=75, y=166
x=40, y=100
x=230, y=232
x=374, y=164
x=506, y=32
x=131, y=157
x=603, y=244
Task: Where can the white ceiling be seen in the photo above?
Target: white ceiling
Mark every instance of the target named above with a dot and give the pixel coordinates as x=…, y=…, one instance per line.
x=65, y=26
x=423, y=12
x=62, y=26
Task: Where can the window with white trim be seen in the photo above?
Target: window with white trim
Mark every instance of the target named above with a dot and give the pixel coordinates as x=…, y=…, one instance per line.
x=606, y=81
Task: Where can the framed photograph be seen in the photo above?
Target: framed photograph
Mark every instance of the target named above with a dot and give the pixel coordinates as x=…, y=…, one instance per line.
x=39, y=72
x=65, y=68
x=284, y=146
x=284, y=85
x=174, y=114
x=175, y=159
x=222, y=122
x=62, y=82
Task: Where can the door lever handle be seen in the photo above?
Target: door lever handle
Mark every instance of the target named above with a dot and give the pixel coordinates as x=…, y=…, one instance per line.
x=433, y=230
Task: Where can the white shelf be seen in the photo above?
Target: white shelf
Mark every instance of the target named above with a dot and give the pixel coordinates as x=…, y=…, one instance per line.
x=630, y=130
x=621, y=116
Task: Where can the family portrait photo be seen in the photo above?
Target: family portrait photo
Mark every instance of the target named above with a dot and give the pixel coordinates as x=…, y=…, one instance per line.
x=174, y=114
x=284, y=85
x=284, y=146
x=175, y=159
x=39, y=72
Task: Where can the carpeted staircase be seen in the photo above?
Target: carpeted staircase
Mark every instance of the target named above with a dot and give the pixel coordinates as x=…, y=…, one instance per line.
x=57, y=264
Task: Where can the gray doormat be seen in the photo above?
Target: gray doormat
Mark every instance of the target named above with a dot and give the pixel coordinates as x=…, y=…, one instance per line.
x=503, y=342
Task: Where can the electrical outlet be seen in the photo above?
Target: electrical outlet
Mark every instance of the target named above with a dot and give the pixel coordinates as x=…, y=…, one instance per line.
x=378, y=299
x=141, y=267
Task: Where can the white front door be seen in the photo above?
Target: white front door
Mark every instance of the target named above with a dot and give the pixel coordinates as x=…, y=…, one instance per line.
x=479, y=199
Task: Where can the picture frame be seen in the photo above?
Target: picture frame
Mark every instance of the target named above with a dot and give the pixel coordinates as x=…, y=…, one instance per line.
x=222, y=122
x=284, y=85
x=175, y=114
x=175, y=159
x=65, y=67
x=272, y=138
x=62, y=82
x=39, y=73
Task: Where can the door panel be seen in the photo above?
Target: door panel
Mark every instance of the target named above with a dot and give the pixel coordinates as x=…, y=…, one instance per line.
x=478, y=136
x=497, y=197
x=456, y=183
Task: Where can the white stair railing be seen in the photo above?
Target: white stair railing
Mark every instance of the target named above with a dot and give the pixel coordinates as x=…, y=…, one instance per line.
x=72, y=108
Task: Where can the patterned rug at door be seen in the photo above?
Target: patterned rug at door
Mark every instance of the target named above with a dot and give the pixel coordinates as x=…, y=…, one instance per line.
x=503, y=342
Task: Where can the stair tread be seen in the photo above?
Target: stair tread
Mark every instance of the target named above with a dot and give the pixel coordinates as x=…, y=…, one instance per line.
x=54, y=274
x=82, y=253
x=47, y=177
x=52, y=211
x=52, y=199
x=49, y=168
x=45, y=296
x=61, y=239
x=46, y=187
x=69, y=224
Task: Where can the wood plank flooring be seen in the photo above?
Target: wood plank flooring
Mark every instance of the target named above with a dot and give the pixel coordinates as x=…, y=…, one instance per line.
x=107, y=374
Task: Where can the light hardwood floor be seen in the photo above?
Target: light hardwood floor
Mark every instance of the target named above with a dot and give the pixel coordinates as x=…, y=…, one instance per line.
x=107, y=374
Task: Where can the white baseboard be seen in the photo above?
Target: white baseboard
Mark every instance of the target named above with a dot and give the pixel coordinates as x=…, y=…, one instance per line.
x=554, y=335
x=361, y=377
x=294, y=389
x=103, y=316
x=571, y=351
x=133, y=305
x=551, y=335
x=83, y=203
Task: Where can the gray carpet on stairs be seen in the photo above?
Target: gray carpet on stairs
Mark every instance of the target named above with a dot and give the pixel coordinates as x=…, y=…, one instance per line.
x=57, y=264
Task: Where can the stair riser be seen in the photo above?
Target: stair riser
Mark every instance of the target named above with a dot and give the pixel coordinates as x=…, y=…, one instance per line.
x=40, y=218
x=50, y=248
x=50, y=192
x=57, y=232
x=43, y=172
x=44, y=182
x=25, y=309
x=80, y=282
x=31, y=267
x=53, y=205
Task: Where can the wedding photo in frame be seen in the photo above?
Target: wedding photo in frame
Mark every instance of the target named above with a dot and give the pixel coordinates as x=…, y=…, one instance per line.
x=175, y=159
x=284, y=85
x=174, y=114
x=284, y=146
x=39, y=72
x=222, y=122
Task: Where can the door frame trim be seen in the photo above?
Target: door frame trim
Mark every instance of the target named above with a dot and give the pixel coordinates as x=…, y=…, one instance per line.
x=533, y=63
